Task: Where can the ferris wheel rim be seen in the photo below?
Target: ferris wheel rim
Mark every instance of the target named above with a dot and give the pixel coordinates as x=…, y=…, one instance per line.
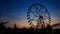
x=29, y=9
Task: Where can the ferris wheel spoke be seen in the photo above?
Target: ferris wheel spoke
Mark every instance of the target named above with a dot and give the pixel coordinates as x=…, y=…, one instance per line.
x=45, y=16
x=40, y=12
x=33, y=19
x=34, y=13
x=37, y=9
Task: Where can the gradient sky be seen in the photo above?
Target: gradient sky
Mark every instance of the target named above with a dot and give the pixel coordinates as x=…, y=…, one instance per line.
x=16, y=10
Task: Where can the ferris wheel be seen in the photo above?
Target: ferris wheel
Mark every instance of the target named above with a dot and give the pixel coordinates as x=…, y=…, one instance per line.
x=38, y=13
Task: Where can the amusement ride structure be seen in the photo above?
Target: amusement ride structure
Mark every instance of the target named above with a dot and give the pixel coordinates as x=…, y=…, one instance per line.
x=38, y=13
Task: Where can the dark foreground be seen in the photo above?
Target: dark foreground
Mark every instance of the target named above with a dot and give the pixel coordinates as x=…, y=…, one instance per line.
x=29, y=31
x=16, y=30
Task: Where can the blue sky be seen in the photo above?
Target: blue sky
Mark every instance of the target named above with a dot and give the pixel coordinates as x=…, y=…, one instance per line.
x=16, y=9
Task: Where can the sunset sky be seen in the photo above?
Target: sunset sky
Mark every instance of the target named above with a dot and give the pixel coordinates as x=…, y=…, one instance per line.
x=16, y=11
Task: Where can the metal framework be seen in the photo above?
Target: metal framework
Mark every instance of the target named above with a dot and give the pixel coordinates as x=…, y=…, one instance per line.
x=39, y=13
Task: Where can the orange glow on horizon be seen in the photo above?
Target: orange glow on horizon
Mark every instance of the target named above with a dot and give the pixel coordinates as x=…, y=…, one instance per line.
x=24, y=23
